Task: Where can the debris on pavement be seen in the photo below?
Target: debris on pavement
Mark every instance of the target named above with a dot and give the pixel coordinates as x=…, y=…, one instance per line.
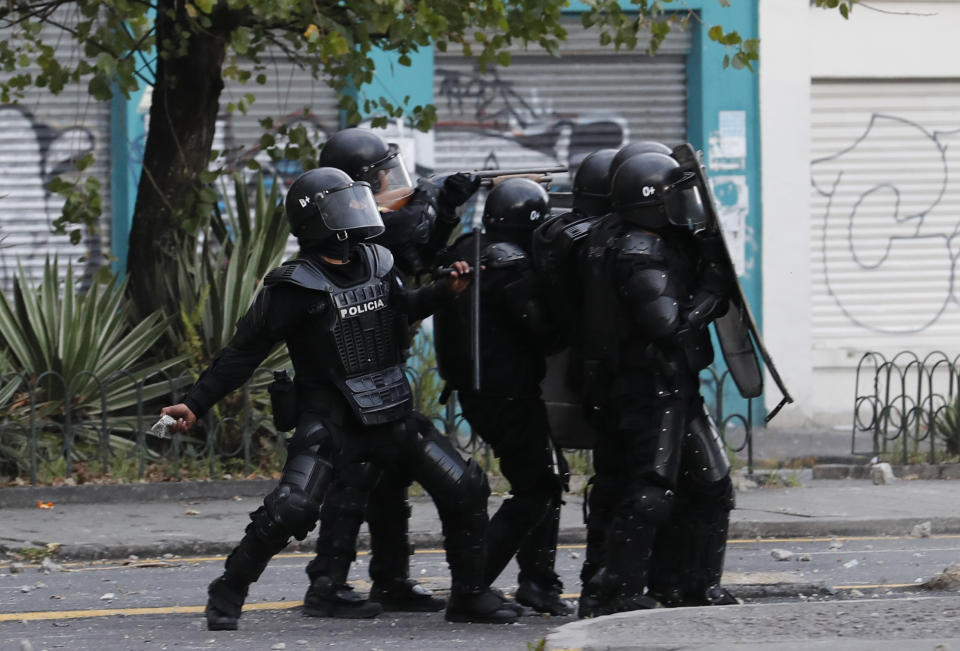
x=949, y=579
x=922, y=530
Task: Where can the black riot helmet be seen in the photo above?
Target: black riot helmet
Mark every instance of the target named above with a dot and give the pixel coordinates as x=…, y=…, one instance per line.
x=514, y=209
x=365, y=157
x=638, y=147
x=591, y=183
x=326, y=203
x=650, y=190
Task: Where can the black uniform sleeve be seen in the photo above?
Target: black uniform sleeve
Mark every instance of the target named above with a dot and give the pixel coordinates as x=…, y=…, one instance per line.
x=274, y=312
x=710, y=300
x=523, y=299
x=421, y=302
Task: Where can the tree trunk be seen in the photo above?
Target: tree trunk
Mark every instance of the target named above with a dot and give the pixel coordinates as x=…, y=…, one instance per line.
x=183, y=118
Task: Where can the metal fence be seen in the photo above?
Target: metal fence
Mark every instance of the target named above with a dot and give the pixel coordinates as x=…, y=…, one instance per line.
x=48, y=427
x=907, y=406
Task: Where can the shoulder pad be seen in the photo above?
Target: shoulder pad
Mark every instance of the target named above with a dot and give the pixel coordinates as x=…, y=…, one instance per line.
x=639, y=243
x=380, y=259
x=300, y=272
x=579, y=229
x=500, y=255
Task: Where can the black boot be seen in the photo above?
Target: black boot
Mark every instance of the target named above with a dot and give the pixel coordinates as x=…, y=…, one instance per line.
x=606, y=594
x=481, y=606
x=544, y=599
x=407, y=596
x=243, y=566
x=224, y=603
x=325, y=598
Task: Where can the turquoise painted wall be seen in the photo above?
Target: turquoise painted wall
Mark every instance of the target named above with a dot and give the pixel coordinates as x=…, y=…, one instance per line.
x=126, y=154
x=408, y=86
x=723, y=121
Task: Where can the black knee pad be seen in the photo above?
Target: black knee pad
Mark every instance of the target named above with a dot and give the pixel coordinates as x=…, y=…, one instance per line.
x=715, y=497
x=474, y=485
x=290, y=508
x=649, y=503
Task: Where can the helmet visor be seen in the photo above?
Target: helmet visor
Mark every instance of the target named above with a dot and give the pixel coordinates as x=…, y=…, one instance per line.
x=387, y=174
x=350, y=207
x=683, y=203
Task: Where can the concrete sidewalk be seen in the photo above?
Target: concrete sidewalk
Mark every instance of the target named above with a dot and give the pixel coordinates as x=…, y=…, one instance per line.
x=93, y=522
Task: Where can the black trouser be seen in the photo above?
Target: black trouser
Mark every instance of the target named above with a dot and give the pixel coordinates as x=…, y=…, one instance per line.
x=407, y=450
x=658, y=514
x=526, y=524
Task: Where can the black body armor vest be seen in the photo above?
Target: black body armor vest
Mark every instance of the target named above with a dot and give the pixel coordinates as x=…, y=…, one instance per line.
x=638, y=290
x=352, y=336
x=555, y=247
x=511, y=364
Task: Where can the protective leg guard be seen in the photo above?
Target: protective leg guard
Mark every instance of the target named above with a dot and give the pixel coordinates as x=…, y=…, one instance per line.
x=701, y=585
x=599, y=504
x=510, y=527
x=539, y=586
x=224, y=603
x=620, y=586
x=325, y=598
x=690, y=549
x=388, y=515
x=263, y=539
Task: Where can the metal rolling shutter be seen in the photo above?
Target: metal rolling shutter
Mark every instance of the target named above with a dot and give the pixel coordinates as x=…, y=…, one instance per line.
x=39, y=137
x=543, y=110
x=885, y=216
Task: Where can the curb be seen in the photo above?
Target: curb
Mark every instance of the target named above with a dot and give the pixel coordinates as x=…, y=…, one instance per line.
x=119, y=551
x=566, y=536
x=863, y=471
x=808, y=528
x=22, y=497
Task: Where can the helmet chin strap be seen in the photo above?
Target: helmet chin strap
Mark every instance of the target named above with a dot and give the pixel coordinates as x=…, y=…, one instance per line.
x=344, y=240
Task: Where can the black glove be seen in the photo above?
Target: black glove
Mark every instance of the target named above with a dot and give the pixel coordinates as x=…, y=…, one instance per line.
x=459, y=187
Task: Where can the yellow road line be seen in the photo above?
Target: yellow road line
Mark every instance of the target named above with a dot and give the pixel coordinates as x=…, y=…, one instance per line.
x=277, y=605
x=113, y=564
x=160, y=610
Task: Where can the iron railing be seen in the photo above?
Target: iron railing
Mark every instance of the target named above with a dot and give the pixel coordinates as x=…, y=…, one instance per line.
x=900, y=401
x=42, y=438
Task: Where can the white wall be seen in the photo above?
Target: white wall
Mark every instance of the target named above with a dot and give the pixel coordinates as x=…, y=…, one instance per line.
x=799, y=43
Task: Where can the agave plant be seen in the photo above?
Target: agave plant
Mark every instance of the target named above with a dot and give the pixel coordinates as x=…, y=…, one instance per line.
x=947, y=426
x=71, y=353
x=81, y=343
x=216, y=286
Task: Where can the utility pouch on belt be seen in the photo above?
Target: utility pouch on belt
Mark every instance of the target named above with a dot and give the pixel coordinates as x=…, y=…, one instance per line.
x=283, y=401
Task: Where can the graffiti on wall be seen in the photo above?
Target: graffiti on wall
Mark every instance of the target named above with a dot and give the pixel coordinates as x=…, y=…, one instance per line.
x=492, y=106
x=32, y=153
x=237, y=140
x=890, y=225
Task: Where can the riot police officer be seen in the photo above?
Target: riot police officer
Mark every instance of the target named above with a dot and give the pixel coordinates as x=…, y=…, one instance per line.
x=342, y=315
x=507, y=411
x=557, y=245
x=418, y=221
x=652, y=285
